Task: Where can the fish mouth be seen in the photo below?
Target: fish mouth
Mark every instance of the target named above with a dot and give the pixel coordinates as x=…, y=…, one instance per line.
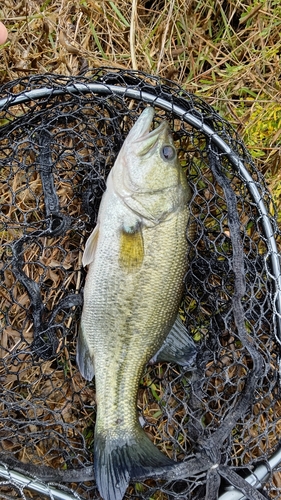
x=146, y=139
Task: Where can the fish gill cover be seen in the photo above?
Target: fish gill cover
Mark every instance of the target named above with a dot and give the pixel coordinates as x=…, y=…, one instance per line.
x=59, y=139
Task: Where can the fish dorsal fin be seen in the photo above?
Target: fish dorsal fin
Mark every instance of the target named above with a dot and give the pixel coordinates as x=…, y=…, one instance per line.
x=131, y=252
x=90, y=248
x=178, y=347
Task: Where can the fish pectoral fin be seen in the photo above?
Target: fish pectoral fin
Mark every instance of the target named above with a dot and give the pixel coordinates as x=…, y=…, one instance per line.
x=84, y=359
x=90, y=248
x=178, y=347
x=131, y=252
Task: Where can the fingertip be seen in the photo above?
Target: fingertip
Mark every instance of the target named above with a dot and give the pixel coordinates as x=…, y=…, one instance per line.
x=3, y=33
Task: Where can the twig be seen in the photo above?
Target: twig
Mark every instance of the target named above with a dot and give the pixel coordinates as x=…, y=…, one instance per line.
x=133, y=34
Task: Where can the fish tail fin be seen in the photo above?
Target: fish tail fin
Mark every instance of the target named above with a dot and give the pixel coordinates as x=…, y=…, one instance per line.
x=119, y=459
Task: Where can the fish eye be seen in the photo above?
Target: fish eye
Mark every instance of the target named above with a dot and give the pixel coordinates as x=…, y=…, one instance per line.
x=168, y=153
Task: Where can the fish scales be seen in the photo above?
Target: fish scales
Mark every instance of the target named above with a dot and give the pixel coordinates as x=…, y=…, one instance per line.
x=137, y=258
x=132, y=304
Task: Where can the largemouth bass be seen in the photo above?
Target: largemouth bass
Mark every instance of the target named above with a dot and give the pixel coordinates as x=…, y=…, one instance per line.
x=137, y=258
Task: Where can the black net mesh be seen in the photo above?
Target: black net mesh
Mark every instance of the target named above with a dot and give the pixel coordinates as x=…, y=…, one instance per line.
x=59, y=139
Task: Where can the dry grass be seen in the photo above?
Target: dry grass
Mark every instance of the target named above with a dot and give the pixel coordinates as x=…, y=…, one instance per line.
x=226, y=51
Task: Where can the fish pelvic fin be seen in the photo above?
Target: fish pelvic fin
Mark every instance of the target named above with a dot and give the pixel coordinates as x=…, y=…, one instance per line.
x=118, y=460
x=90, y=248
x=84, y=358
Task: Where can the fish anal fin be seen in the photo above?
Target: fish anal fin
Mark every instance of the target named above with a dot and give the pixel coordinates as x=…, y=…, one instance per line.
x=90, y=248
x=116, y=461
x=84, y=358
x=178, y=347
x=131, y=251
